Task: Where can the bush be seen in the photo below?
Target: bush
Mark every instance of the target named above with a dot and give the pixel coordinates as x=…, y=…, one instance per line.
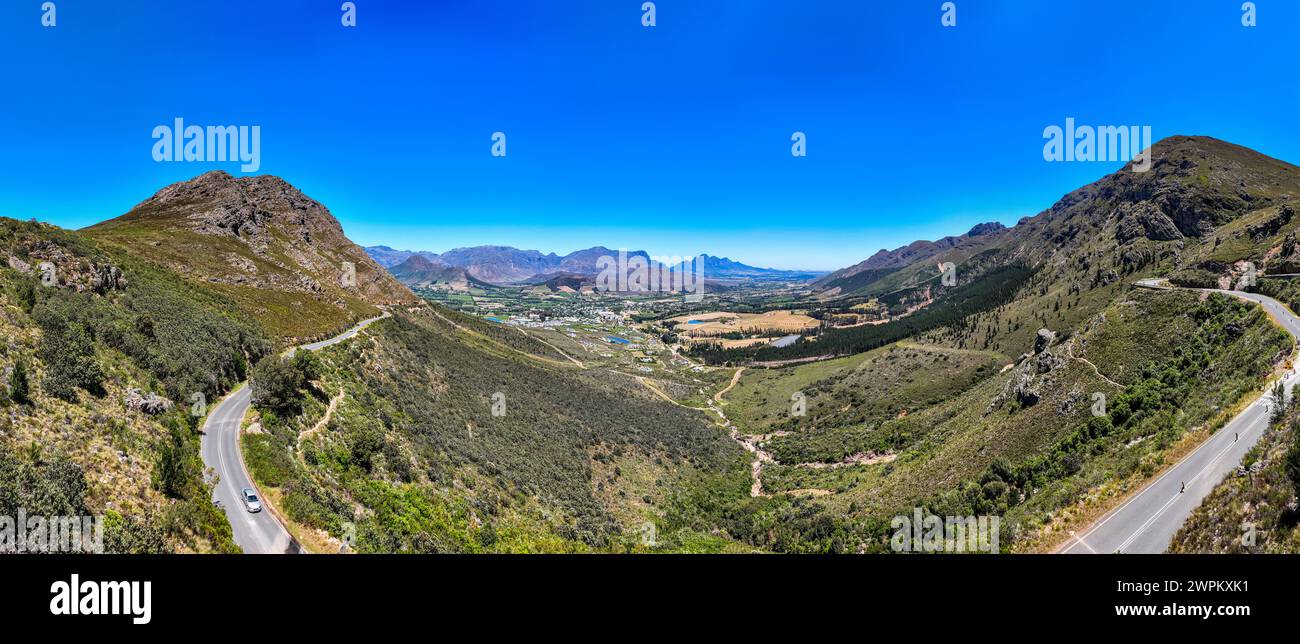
x=173, y=470
x=19, y=389
x=69, y=355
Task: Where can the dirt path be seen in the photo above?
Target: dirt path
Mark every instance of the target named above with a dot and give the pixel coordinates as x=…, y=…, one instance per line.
x=734, y=379
x=752, y=443
x=1069, y=350
x=320, y=424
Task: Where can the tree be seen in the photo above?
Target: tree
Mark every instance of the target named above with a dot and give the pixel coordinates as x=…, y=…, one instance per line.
x=19, y=389
x=1292, y=466
x=1279, y=403
x=308, y=364
x=275, y=382
x=172, y=471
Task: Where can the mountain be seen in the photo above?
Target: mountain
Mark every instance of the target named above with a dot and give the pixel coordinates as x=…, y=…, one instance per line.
x=505, y=265
x=395, y=438
x=584, y=262
x=258, y=240
x=388, y=257
x=418, y=270
x=1052, y=300
x=886, y=261
x=1198, y=190
x=500, y=264
x=116, y=345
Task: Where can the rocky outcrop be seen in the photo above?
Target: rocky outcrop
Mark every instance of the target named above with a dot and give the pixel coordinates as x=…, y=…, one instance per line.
x=1271, y=226
x=286, y=241
x=1043, y=339
x=1033, y=373
x=57, y=266
x=149, y=403
x=1145, y=219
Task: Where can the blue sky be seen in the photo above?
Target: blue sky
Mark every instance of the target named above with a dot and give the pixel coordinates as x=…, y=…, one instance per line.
x=673, y=139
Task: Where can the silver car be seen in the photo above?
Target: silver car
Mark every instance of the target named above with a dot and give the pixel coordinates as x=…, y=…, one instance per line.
x=250, y=500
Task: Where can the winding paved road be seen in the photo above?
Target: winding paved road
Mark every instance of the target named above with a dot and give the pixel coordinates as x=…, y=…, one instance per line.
x=256, y=533
x=1148, y=520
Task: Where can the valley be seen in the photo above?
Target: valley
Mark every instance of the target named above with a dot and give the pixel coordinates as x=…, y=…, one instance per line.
x=493, y=404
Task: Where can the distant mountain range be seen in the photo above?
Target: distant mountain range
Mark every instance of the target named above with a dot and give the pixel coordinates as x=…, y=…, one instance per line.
x=507, y=265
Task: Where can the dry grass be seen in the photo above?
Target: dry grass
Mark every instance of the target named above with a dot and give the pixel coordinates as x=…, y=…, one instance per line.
x=721, y=322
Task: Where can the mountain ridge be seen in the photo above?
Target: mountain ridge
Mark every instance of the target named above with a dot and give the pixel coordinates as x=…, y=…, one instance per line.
x=259, y=240
x=506, y=264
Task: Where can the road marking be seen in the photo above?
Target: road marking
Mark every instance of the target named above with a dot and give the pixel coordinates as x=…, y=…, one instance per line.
x=1265, y=303
x=263, y=532
x=1082, y=543
x=1161, y=511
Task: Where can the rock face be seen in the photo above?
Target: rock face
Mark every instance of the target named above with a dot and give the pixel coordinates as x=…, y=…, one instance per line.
x=1032, y=373
x=1145, y=219
x=264, y=233
x=1271, y=226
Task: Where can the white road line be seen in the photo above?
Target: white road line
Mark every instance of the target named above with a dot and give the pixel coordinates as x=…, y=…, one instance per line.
x=1283, y=316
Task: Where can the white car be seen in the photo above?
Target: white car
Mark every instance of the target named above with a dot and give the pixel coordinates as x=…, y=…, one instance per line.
x=250, y=500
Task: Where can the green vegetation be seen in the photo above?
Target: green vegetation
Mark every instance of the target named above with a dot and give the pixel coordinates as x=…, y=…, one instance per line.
x=96, y=325
x=849, y=399
x=989, y=291
x=276, y=383
x=981, y=451
x=1253, y=509
x=19, y=389
x=433, y=468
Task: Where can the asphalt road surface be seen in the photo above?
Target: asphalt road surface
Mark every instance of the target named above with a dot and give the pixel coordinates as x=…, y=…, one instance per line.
x=255, y=532
x=1148, y=520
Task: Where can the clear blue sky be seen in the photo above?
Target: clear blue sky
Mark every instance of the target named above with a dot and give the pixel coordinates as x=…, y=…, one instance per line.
x=674, y=139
